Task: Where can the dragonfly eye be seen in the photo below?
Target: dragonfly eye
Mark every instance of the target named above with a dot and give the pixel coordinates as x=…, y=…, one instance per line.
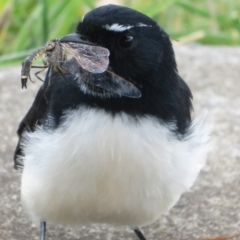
x=126, y=41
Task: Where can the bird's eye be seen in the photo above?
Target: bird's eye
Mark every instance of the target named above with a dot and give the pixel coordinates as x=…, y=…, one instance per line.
x=126, y=41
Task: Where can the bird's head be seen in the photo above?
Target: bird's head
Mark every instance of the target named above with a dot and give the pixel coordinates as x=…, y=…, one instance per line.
x=140, y=51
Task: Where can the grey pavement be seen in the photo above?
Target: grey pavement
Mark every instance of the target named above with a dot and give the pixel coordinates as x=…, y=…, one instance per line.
x=211, y=208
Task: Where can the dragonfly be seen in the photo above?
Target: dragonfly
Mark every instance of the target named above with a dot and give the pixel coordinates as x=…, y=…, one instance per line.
x=91, y=58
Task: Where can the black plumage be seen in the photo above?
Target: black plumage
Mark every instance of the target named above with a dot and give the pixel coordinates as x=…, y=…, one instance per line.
x=140, y=52
x=149, y=64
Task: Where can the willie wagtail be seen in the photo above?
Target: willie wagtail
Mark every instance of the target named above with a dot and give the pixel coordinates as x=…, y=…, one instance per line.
x=89, y=152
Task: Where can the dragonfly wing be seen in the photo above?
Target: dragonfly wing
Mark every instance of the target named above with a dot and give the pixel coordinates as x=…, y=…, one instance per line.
x=115, y=84
x=94, y=59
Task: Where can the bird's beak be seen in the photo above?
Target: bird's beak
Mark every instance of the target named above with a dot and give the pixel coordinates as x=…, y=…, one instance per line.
x=76, y=38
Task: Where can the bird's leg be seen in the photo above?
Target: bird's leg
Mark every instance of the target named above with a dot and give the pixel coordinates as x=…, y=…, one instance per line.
x=42, y=230
x=139, y=234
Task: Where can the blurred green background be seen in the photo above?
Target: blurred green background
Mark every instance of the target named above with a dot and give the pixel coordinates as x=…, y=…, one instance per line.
x=26, y=25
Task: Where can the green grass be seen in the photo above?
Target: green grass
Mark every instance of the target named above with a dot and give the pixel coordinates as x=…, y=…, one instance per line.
x=219, y=20
x=25, y=25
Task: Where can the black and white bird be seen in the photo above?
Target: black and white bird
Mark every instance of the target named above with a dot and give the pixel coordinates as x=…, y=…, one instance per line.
x=91, y=155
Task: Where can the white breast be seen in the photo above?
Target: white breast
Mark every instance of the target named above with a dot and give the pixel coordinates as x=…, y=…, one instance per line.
x=99, y=168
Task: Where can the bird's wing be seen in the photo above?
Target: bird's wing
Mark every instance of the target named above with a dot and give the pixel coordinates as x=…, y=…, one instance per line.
x=55, y=81
x=34, y=115
x=31, y=119
x=186, y=95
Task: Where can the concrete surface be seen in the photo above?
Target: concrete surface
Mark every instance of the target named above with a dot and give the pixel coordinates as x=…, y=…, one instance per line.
x=211, y=208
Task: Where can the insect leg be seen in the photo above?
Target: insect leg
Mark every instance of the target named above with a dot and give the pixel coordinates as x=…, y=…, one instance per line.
x=36, y=74
x=67, y=81
x=48, y=77
x=61, y=73
x=39, y=66
x=30, y=78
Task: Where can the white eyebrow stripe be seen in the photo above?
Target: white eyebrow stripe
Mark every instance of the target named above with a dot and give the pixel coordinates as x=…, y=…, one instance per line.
x=121, y=28
x=116, y=27
x=143, y=25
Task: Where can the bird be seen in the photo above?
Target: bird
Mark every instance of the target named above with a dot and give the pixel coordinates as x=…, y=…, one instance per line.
x=89, y=153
